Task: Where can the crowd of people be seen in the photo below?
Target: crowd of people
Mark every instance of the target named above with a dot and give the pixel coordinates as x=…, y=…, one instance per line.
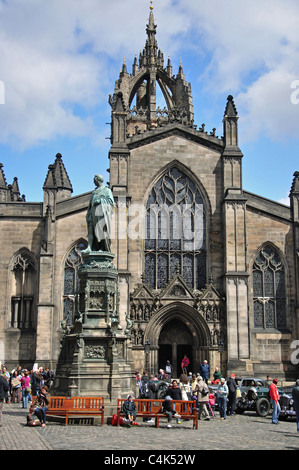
x=20, y=385
x=196, y=387
x=189, y=387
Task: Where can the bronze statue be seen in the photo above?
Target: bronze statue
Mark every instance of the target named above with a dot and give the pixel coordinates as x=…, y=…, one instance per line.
x=98, y=217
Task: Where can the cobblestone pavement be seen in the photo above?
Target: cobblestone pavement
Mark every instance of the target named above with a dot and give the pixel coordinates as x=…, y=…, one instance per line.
x=239, y=432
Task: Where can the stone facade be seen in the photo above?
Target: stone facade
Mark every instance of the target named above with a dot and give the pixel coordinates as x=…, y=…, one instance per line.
x=231, y=299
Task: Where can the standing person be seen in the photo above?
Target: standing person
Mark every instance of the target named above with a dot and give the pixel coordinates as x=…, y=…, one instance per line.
x=16, y=387
x=139, y=385
x=174, y=391
x=26, y=388
x=222, y=393
x=145, y=393
x=129, y=409
x=152, y=389
x=295, y=395
x=274, y=397
x=202, y=397
x=3, y=392
x=37, y=381
x=168, y=370
x=205, y=370
x=184, y=364
x=193, y=384
x=42, y=402
x=6, y=375
x=232, y=394
x=48, y=375
x=185, y=387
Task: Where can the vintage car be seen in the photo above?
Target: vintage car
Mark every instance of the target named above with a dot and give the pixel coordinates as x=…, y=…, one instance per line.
x=287, y=403
x=255, y=396
x=162, y=388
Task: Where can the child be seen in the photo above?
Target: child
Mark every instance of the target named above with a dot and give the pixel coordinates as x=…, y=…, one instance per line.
x=169, y=411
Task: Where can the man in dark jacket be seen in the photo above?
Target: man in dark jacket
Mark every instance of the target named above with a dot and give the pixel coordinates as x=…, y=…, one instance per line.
x=4, y=387
x=174, y=391
x=205, y=371
x=129, y=409
x=295, y=395
x=232, y=394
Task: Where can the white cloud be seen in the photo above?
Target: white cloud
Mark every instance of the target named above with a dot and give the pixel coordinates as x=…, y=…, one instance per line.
x=59, y=60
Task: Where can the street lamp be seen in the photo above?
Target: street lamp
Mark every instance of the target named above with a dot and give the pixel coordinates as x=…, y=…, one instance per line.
x=147, y=348
x=221, y=350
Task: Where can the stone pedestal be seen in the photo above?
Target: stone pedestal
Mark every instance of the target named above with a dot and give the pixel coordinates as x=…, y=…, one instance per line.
x=96, y=355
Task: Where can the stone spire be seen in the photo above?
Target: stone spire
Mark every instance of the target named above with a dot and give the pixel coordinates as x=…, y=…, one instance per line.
x=294, y=200
x=3, y=185
x=57, y=177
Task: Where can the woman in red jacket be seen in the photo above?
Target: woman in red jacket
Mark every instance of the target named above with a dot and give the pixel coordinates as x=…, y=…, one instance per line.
x=274, y=397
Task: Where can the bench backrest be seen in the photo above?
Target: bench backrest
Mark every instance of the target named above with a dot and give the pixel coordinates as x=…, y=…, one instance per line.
x=75, y=403
x=154, y=406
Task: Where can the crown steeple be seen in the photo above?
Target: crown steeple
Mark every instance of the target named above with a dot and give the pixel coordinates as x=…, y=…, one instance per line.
x=137, y=93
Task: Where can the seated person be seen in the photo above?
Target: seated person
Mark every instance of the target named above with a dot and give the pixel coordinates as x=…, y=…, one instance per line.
x=41, y=404
x=168, y=410
x=216, y=376
x=129, y=409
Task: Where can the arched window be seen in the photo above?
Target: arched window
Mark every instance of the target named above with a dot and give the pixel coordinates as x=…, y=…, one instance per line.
x=269, y=294
x=175, y=232
x=24, y=291
x=71, y=281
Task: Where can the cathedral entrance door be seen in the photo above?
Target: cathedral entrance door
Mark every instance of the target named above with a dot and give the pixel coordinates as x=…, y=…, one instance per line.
x=175, y=341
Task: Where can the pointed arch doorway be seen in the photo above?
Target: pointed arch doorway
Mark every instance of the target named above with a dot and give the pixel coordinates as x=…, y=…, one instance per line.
x=178, y=329
x=174, y=342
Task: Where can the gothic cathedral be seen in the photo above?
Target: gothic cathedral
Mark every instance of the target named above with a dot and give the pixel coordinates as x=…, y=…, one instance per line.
x=205, y=268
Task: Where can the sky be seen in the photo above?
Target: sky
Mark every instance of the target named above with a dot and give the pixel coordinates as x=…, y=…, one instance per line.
x=60, y=59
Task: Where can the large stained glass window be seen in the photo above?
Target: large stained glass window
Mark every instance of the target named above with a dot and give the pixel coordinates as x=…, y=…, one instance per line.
x=269, y=294
x=175, y=230
x=71, y=281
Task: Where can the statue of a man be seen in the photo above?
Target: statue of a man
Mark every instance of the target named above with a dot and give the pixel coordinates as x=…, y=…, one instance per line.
x=98, y=217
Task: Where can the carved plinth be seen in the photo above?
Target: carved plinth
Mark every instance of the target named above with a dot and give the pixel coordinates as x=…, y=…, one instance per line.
x=96, y=355
x=99, y=295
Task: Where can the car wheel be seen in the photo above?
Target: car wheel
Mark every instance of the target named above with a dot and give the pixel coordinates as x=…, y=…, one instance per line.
x=262, y=407
x=161, y=393
x=239, y=408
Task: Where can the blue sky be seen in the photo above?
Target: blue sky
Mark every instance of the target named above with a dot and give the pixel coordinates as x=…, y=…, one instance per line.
x=60, y=60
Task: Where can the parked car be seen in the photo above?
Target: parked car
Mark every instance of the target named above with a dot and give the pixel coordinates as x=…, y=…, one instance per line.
x=162, y=388
x=287, y=403
x=255, y=396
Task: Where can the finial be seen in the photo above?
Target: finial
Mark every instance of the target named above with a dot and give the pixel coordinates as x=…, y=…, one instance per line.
x=151, y=5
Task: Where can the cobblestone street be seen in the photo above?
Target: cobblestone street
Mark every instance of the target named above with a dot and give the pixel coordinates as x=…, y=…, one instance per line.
x=240, y=432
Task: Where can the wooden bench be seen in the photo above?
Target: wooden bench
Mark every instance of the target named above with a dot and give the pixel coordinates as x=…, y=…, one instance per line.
x=74, y=407
x=153, y=409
